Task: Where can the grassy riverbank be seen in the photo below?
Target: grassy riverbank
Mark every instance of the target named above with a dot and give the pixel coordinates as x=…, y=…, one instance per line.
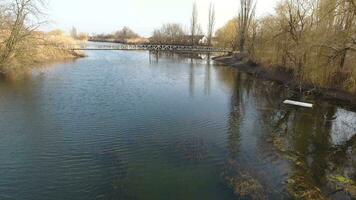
x=288, y=77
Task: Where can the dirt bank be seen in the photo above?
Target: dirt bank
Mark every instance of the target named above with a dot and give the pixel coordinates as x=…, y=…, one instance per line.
x=287, y=78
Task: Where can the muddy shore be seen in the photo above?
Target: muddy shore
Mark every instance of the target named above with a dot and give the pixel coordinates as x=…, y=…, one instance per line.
x=286, y=78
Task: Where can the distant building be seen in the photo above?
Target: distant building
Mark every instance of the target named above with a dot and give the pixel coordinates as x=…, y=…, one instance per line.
x=203, y=41
x=198, y=40
x=180, y=40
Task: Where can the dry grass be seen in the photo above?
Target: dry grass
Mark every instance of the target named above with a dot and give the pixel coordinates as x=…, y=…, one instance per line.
x=39, y=48
x=138, y=40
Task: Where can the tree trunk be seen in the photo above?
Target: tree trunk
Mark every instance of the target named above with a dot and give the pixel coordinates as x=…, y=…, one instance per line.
x=242, y=42
x=343, y=58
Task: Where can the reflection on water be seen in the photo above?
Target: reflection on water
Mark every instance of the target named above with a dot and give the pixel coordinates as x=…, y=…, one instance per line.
x=318, y=145
x=139, y=125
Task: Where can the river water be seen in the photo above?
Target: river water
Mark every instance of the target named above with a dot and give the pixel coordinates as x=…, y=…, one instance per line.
x=139, y=125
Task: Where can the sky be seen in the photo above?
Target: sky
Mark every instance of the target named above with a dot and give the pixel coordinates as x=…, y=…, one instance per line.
x=107, y=16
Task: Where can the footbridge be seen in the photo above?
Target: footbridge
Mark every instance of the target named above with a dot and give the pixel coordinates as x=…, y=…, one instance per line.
x=149, y=47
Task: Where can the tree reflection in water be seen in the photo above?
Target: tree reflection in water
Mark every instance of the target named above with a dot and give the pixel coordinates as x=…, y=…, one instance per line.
x=299, y=142
x=277, y=151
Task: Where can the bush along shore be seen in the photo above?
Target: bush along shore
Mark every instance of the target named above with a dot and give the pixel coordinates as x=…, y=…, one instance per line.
x=286, y=77
x=22, y=44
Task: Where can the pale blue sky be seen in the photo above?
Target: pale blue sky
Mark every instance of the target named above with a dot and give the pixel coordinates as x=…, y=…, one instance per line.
x=99, y=16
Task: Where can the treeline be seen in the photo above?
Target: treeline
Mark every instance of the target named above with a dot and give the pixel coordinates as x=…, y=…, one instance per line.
x=313, y=39
x=125, y=35
x=78, y=35
x=175, y=34
x=167, y=34
x=21, y=44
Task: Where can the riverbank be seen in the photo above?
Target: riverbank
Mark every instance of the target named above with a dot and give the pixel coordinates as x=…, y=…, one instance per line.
x=50, y=55
x=40, y=48
x=285, y=77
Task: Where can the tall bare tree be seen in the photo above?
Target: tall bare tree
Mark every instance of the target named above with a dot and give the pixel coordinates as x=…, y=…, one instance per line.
x=74, y=33
x=211, y=23
x=245, y=17
x=194, y=23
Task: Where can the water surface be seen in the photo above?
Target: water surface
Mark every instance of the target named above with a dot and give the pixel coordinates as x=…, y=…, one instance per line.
x=138, y=125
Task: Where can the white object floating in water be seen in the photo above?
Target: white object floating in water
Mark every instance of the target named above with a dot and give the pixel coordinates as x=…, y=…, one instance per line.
x=296, y=103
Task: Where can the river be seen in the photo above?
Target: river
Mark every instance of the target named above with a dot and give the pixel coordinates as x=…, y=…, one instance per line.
x=140, y=125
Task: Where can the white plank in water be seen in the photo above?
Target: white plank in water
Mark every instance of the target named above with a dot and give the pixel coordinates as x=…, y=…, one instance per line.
x=297, y=103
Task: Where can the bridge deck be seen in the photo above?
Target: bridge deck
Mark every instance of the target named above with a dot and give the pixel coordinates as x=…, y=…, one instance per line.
x=148, y=47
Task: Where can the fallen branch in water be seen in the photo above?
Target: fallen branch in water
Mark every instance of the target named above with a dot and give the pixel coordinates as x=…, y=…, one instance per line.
x=297, y=103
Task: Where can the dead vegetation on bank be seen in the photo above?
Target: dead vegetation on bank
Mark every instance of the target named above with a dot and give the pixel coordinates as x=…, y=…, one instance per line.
x=313, y=39
x=242, y=182
x=21, y=44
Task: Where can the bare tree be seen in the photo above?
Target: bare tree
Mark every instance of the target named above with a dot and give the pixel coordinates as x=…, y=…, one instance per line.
x=245, y=17
x=194, y=23
x=211, y=23
x=226, y=36
x=346, y=23
x=21, y=14
x=126, y=33
x=171, y=33
x=314, y=40
x=353, y=5
x=2, y=16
